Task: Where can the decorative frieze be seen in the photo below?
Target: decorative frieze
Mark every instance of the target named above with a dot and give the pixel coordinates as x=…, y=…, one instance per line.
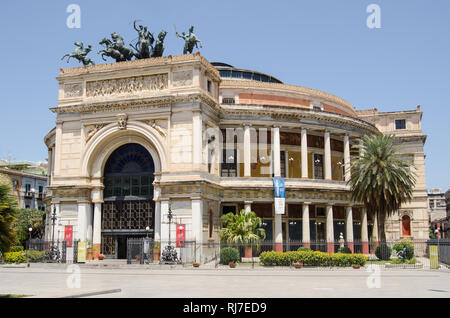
x=126, y=86
x=73, y=90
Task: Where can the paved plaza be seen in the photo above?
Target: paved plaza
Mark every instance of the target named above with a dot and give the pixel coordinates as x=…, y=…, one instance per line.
x=54, y=280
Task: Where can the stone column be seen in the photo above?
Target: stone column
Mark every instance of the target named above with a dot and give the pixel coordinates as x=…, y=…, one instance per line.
x=197, y=141
x=349, y=228
x=197, y=225
x=277, y=173
x=57, y=149
x=157, y=229
x=49, y=167
x=347, y=158
x=306, y=236
x=304, y=154
x=376, y=239
x=364, y=232
x=97, y=199
x=330, y=229
x=248, y=206
x=90, y=222
x=97, y=235
x=276, y=151
x=82, y=221
x=327, y=153
x=278, y=233
x=247, y=150
x=164, y=225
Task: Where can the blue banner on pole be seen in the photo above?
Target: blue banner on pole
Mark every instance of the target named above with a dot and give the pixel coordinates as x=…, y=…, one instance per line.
x=278, y=185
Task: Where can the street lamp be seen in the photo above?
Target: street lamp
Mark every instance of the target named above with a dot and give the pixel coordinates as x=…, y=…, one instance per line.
x=148, y=230
x=53, y=218
x=29, y=245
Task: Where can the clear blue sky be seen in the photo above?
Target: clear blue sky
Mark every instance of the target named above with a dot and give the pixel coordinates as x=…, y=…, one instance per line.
x=320, y=44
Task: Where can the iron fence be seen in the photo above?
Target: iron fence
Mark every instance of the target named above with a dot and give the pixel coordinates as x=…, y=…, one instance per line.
x=47, y=251
x=443, y=249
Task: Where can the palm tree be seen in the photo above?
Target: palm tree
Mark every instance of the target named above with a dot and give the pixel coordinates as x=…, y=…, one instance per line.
x=8, y=205
x=380, y=179
x=242, y=228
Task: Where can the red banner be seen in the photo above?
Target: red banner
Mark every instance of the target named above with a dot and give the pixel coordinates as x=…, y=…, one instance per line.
x=180, y=235
x=68, y=235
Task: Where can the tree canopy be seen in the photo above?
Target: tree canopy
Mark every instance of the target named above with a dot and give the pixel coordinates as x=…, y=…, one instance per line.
x=380, y=178
x=241, y=228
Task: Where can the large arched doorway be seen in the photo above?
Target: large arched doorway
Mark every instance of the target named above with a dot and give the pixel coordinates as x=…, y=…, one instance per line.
x=128, y=206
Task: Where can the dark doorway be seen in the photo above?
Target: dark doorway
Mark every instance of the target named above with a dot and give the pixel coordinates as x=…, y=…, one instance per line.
x=128, y=207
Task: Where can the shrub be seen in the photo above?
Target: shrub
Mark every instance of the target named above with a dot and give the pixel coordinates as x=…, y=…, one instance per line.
x=22, y=257
x=18, y=248
x=228, y=255
x=15, y=257
x=344, y=250
x=303, y=249
x=383, y=252
x=405, y=243
x=311, y=258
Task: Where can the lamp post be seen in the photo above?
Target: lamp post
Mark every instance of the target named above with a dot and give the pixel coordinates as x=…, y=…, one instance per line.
x=148, y=230
x=53, y=218
x=29, y=245
x=169, y=255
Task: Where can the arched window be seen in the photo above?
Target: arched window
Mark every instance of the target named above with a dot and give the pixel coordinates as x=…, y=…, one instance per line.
x=406, y=226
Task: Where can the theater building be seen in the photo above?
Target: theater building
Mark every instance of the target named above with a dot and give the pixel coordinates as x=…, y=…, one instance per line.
x=133, y=139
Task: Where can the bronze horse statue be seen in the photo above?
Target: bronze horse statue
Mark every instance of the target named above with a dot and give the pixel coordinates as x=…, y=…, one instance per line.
x=80, y=53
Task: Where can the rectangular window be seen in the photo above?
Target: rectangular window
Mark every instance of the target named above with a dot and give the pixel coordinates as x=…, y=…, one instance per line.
x=318, y=166
x=228, y=100
x=400, y=124
x=209, y=86
x=229, y=166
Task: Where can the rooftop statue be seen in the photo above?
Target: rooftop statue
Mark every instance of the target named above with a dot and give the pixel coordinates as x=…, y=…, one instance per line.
x=190, y=39
x=158, y=50
x=119, y=45
x=110, y=51
x=80, y=53
x=145, y=42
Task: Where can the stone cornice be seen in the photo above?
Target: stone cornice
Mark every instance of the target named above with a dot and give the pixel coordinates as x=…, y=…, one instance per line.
x=288, y=112
x=137, y=103
x=158, y=61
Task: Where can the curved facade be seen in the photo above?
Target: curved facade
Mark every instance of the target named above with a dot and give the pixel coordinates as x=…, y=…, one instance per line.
x=216, y=140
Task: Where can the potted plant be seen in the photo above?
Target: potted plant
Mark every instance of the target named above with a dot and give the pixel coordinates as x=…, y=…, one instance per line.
x=196, y=264
x=298, y=265
x=356, y=266
x=156, y=252
x=242, y=229
x=232, y=265
x=101, y=257
x=90, y=252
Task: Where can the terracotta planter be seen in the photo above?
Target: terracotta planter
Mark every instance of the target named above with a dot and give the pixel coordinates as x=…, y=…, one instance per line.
x=298, y=265
x=156, y=255
x=101, y=257
x=248, y=252
x=356, y=266
x=196, y=264
x=232, y=265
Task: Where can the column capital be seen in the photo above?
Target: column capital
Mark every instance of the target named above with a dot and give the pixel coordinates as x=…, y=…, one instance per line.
x=246, y=124
x=277, y=126
x=248, y=202
x=306, y=203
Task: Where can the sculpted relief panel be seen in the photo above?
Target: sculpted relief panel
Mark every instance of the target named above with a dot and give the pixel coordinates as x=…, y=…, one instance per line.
x=128, y=85
x=73, y=90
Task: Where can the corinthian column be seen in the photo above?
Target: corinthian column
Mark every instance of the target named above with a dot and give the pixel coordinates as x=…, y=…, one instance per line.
x=347, y=158
x=304, y=154
x=276, y=151
x=327, y=152
x=247, y=150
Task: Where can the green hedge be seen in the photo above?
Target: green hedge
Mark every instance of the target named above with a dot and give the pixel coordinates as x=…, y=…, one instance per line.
x=229, y=254
x=311, y=259
x=22, y=257
x=17, y=248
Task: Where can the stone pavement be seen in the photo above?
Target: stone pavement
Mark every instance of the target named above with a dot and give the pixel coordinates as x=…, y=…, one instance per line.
x=56, y=280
